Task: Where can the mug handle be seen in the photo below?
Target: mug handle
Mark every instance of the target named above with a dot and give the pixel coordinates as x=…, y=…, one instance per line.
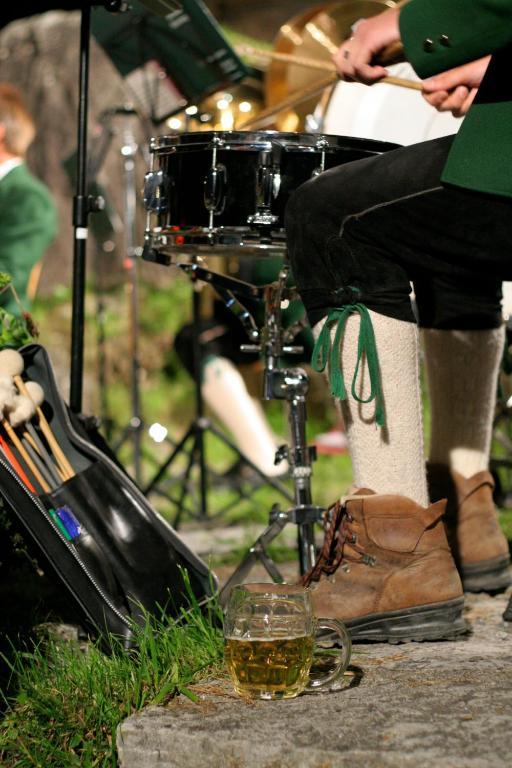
x=319, y=683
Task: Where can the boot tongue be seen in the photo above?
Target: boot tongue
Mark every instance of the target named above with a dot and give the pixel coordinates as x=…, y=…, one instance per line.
x=397, y=523
x=356, y=493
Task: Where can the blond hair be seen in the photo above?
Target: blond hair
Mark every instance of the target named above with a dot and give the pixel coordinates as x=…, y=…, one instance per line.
x=16, y=120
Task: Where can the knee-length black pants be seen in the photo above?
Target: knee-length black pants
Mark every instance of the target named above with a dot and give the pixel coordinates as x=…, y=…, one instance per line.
x=363, y=231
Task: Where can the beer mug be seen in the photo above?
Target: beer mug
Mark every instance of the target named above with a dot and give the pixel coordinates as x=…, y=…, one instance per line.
x=270, y=634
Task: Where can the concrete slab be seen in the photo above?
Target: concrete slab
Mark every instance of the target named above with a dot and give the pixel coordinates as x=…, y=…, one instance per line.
x=435, y=705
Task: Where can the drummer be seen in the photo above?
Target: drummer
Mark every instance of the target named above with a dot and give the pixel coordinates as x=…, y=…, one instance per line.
x=437, y=214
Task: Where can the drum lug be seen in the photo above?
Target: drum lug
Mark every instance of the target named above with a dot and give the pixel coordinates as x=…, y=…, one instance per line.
x=268, y=183
x=321, y=144
x=155, y=191
x=214, y=189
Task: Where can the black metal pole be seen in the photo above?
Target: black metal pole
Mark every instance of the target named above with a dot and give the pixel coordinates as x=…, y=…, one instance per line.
x=80, y=221
x=128, y=152
x=198, y=376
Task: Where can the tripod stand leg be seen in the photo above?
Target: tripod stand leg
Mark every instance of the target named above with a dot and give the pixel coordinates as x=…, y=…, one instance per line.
x=165, y=466
x=258, y=554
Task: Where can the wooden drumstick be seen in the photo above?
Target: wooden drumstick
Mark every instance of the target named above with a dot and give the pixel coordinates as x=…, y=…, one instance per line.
x=267, y=115
x=6, y=401
x=4, y=446
x=325, y=66
x=12, y=364
x=19, y=413
x=13, y=437
x=35, y=393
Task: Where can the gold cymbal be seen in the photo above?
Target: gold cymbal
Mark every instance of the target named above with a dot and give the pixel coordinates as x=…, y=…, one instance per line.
x=315, y=34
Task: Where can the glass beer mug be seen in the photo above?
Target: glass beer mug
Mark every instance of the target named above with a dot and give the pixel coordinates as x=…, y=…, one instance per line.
x=270, y=634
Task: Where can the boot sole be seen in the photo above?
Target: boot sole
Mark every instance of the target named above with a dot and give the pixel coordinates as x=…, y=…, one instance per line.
x=488, y=576
x=440, y=621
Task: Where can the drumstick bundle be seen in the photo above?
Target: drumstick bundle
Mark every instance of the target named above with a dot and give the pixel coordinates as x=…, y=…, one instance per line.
x=35, y=455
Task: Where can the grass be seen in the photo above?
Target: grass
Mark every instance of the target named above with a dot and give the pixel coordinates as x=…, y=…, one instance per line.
x=65, y=702
x=71, y=698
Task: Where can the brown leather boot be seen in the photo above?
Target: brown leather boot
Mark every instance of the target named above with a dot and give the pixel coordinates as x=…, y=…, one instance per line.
x=386, y=570
x=479, y=547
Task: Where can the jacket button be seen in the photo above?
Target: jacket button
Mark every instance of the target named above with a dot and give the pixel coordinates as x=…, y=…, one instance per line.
x=445, y=40
x=428, y=45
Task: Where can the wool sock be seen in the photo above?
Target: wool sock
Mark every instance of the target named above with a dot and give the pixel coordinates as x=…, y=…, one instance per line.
x=387, y=459
x=462, y=368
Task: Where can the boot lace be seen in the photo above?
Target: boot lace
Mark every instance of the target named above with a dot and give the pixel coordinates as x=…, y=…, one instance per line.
x=338, y=533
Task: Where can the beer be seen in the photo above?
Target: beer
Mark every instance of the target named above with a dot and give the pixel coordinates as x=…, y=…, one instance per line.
x=276, y=668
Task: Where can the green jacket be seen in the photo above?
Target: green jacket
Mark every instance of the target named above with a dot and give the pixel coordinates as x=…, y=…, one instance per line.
x=441, y=34
x=28, y=224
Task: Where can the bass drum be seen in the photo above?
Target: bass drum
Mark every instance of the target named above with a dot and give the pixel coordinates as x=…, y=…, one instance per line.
x=382, y=112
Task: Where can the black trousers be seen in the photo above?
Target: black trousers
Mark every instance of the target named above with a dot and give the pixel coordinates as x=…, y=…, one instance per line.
x=365, y=230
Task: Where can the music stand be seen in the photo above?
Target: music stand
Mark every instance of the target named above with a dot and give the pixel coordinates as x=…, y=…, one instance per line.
x=169, y=27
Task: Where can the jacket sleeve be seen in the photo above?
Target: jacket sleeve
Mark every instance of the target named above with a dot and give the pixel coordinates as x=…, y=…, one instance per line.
x=440, y=34
x=28, y=224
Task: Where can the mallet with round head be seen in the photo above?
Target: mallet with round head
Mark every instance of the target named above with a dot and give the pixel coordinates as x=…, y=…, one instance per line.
x=19, y=414
x=11, y=363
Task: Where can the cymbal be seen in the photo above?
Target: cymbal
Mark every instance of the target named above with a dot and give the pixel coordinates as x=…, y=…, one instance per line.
x=315, y=34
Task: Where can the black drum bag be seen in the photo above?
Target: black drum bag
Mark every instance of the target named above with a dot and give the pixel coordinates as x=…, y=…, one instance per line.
x=116, y=556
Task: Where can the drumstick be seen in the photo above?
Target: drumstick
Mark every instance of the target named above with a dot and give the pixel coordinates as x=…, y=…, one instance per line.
x=303, y=94
x=325, y=66
x=21, y=410
x=35, y=393
x=13, y=437
x=4, y=446
x=39, y=463
x=6, y=403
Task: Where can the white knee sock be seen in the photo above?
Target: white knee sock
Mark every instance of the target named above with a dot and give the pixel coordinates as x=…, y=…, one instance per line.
x=388, y=459
x=462, y=369
x=225, y=393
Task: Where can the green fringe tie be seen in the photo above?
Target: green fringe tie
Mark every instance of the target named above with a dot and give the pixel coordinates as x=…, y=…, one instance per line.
x=324, y=353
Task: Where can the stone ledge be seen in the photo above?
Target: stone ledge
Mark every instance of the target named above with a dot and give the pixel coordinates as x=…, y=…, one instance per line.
x=444, y=704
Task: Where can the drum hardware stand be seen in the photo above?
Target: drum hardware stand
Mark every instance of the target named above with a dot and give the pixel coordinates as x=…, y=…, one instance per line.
x=128, y=152
x=194, y=436
x=133, y=430
x=283, y=384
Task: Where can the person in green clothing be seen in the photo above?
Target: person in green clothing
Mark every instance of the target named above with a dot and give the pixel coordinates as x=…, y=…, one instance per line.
x=437, y=215
x=28, y=219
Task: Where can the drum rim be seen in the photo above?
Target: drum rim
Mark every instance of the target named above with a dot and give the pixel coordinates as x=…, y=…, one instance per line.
x=263, y=139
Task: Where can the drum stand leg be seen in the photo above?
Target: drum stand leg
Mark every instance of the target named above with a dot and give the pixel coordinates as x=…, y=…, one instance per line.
x=292, y=386
x=192, y=443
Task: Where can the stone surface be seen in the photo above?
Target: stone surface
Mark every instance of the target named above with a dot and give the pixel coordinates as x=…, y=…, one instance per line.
x=444, y=704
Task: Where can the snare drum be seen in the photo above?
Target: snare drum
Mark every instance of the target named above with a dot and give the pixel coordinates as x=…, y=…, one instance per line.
x=228, y=190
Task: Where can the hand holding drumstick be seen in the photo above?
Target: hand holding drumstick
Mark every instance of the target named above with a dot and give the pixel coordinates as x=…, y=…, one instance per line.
x=454, y=90
x=355, y=58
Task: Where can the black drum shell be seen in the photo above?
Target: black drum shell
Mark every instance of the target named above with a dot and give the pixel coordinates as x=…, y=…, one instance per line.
x=186, y=160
